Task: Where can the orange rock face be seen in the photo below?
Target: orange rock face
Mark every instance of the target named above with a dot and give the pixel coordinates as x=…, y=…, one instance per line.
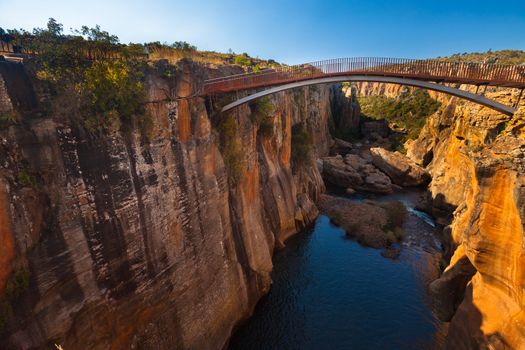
x=477, y=169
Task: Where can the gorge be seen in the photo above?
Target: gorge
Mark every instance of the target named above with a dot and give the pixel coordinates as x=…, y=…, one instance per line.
x=158, y=232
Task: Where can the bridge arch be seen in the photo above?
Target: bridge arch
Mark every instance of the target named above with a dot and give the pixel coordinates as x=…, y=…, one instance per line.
x=482, y=100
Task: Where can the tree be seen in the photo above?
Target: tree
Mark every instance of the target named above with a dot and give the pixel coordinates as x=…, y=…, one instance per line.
x=97, y=34
x=54, y=28
x=183, y=45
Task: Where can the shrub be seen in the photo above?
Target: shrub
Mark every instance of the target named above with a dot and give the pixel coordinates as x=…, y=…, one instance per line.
x=114, y=90
x=399, y=233
x=390, y=237
x=301, y=146
x=261, y=110
x=401, y=149
x=396, y=214
x=25, y=179
x=243, y=60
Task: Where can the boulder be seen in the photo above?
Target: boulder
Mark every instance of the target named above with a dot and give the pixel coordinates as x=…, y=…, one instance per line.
x=401, y=170
x=341, y=146
x=337, y=172
x=376, y=181
x=355, y=161
x=355, y=172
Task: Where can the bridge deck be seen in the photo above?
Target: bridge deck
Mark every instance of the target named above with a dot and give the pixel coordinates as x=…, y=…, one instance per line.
x=424, y=70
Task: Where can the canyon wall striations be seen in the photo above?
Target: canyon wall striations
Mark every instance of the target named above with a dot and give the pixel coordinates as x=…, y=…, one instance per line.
x=118, y=240
x=126, y=240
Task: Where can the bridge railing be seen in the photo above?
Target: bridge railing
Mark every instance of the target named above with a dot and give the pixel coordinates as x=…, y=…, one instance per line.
x=430, y=70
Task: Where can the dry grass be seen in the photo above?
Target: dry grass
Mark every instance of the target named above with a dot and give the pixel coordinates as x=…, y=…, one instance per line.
x=175, y=55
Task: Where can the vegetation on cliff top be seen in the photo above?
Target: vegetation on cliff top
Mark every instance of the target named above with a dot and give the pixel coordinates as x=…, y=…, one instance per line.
x=409, y=110
x=500, y=57
x=102, y=78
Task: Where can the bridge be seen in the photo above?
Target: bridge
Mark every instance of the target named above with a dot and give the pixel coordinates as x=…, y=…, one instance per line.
x=430, y=74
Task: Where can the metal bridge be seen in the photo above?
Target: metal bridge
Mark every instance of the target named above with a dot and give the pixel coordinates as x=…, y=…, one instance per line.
x=428, y=74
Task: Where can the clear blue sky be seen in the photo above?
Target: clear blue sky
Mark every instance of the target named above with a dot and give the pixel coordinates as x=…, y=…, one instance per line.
x=293, y=31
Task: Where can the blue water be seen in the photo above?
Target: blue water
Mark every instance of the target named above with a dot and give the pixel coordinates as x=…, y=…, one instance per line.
x=329, y=292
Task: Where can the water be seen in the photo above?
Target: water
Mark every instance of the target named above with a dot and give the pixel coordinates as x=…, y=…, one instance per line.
x=329, y=292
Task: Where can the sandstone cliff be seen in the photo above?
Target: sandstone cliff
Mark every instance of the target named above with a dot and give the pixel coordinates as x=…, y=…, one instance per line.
x=121, y=240
x=476, y=159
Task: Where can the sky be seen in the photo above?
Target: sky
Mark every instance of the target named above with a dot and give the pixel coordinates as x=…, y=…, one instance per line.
x=293, y=31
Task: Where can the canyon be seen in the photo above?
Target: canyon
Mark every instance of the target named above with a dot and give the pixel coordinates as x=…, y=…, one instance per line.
x=124, y=240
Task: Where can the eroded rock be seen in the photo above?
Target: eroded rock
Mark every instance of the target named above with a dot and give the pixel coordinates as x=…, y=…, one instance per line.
x=355, y=172
x=369, y=222
x=401, y=170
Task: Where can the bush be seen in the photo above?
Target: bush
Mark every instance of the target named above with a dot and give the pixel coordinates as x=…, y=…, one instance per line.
x=25, y=179
x=243, y=60
x=396, y=214
x=401, y=149
x=115, y=91
x=261, y=110
x=301, y=146
x=399, y=233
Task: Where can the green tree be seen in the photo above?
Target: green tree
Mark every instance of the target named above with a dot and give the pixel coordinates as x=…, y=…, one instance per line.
x=114, y=90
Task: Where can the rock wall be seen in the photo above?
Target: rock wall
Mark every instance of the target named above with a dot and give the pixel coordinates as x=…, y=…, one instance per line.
x=476, y=158
x=120, y=241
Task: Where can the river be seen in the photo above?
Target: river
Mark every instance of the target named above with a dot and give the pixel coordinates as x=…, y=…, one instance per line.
x=329, y=292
